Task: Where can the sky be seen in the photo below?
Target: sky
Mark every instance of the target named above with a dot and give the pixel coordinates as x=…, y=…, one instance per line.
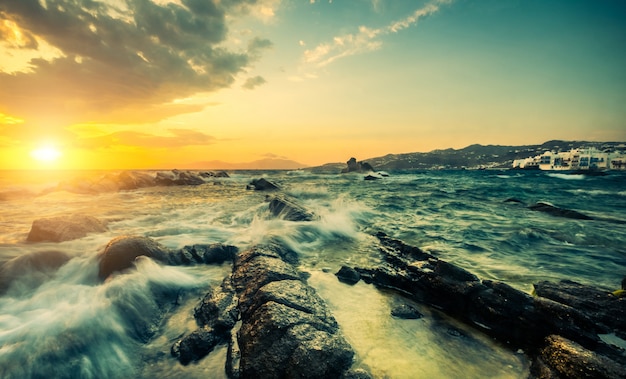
x=145, y=84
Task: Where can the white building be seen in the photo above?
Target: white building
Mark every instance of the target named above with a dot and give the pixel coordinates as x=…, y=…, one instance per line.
x=575, y=159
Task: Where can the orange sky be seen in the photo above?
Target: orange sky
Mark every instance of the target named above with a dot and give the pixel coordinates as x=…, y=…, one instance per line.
x=129, y=84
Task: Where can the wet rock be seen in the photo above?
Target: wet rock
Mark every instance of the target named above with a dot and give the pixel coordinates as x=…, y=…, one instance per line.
x=286, y=329
x=566, y=309
x=130, y=180
x=196, y=345
x=348, y=275
x=513, y=200
x=558, y=212
x=358, y=373
x=372, y=177
x=562, y=358
x=64, y=228
x=287, y=208
x=35, y=268
x=405, y=311
x=354, y=166
x=178, y=178
x=262, y=184
x=607, y=311
x=218, y=309
x=120, y=253
x=200, y=253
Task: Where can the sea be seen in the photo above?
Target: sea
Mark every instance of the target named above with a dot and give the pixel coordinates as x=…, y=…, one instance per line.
x=66, y=323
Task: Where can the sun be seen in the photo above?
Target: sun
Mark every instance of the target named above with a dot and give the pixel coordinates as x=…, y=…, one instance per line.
x=46, y=154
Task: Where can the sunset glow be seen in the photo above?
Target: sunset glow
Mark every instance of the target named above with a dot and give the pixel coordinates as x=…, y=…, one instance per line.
x=45, y=154
x=308, y=82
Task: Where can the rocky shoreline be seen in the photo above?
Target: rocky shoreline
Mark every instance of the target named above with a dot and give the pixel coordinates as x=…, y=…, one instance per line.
x=276, y=326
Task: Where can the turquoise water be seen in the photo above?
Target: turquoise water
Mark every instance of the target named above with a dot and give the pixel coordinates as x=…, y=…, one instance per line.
x=67, y=322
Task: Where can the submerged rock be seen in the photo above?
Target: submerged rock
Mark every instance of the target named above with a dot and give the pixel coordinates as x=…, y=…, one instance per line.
x=558, y=212
x=64, y=228
x=286, y=208
x=35, y=268
x=406, y=311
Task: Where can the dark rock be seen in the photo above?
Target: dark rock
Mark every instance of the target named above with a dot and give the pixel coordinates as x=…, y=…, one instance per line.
x=562, y=358
x=262, y=184
x=372, y=177
x=209, y=254
x=558, y=212
x=348, y=275
x=406, y=311
x=130, y=180
x=178, y=178
x=218, y=309
x=35, y=268
x=286, y=329
x=221, y=174
x=120, y=253
x=286, y=208
x=196, y=345
x=606, y=310
x=64, y=228
x=354, y=166
x=513, y=200
x=358, y=373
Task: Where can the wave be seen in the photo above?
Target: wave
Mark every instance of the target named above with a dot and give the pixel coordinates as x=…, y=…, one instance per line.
x=568, y=176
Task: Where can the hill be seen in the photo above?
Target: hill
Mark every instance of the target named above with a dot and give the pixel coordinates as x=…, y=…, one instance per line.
x=473, y=156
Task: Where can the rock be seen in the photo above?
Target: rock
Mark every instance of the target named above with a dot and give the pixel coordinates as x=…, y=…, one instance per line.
x=64, y=228
x=130, y=180
x=218, y=309
x=348, y=275
x=178, y=178
x=562, y=358
x=608, y=312
x=286, y=208
x=262, y=184
x=558, y=212
x=354, y=166
x=405, y=311
x=358, y=373
x=286, y=329
x=209, y=254
x=372, y=177
x=34, y=267
x=513, y=200
x=120, y=253
x=196, y=345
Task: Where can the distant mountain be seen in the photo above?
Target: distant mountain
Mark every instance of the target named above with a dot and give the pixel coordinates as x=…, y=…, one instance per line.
x=262, y=164
x=471, y=157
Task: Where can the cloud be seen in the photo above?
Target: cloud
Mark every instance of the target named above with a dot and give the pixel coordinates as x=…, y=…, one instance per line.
x=366, y=39
x=134, y=55
x=252, y=83
x=273, y=156
x=179, y=138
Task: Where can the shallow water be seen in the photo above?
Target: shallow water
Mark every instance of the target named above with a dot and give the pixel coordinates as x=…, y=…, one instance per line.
x=66, y=322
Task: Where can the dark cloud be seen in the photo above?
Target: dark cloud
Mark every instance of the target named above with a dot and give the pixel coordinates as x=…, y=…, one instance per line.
x=179, y=138
x=254, y=82
x=134, y=56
